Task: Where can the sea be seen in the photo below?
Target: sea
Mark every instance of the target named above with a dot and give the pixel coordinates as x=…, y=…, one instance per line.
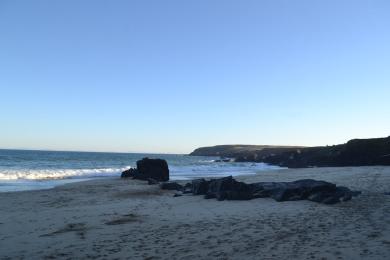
x=22, y=170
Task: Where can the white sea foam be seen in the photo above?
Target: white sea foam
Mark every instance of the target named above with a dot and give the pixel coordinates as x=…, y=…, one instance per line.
x=28, y=170
x=23, y=174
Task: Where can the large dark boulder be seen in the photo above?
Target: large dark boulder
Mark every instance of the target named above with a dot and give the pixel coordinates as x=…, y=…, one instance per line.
x=156, y=169
x=149, y=169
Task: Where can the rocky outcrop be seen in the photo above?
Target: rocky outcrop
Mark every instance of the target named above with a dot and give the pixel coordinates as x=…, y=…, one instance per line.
x=357, y=152
x=228, y=188
x=221, y=189
x=147, y=169
x=156, y=169
x=199, y=187
x=307, y=189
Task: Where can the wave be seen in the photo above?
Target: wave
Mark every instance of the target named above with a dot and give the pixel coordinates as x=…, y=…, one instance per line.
x=182, y=172
x=219, y=169
x=47, y=174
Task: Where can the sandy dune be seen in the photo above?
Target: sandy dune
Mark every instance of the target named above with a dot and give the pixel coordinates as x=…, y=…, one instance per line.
x=127, y=219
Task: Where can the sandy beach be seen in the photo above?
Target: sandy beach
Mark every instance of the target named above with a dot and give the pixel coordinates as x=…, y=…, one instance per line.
x=128, y=219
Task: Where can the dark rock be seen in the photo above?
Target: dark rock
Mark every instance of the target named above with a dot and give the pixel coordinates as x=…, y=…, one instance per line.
x=229, y=189
x=171, y=186
x=297, y=190
x=152, y=181
x=199, y=186
x=317, y=197
x=317, y=191
x=331, y=200
x=339, y=194
x=343, y=193
x=387, y=193
x=177, y=195
x=285, y=191
x=208, y=196
x=264, y=189
x=129, y=173
x=156, y=169
x=324, y=197
x=187, y=188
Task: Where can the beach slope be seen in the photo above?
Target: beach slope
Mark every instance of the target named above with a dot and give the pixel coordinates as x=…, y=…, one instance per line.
x=116, y=218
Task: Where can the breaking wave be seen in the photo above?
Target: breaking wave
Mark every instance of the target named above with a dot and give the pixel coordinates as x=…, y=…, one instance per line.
x=176, y=172
x=46, y=174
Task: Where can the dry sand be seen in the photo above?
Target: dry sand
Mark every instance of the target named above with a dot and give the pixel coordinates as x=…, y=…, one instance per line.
x=127, y=219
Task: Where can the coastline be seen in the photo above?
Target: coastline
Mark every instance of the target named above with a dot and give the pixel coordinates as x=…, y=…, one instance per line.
x=116, y=218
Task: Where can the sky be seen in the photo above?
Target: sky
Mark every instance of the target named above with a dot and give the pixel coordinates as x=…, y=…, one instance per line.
x=171, y=76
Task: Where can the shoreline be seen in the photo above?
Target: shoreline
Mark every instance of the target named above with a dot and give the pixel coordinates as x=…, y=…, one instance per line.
x=264, y=175
x=119, y=218
x=34, y=184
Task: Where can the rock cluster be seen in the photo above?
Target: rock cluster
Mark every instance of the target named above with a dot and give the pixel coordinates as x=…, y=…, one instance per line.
x=156, y=171
x=228, y=188
x=152, y=170
x=307, y=189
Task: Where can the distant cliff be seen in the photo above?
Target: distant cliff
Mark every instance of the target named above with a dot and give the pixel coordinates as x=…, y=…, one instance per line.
x=234, y=151
x=356, y=152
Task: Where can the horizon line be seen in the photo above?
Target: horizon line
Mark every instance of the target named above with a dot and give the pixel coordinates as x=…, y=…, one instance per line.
x=84, y=151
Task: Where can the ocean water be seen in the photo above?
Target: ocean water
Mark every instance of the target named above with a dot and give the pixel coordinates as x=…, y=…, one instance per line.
x=29, y=170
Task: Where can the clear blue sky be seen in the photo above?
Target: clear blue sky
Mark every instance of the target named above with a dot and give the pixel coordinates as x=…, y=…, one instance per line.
x=170, y=76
